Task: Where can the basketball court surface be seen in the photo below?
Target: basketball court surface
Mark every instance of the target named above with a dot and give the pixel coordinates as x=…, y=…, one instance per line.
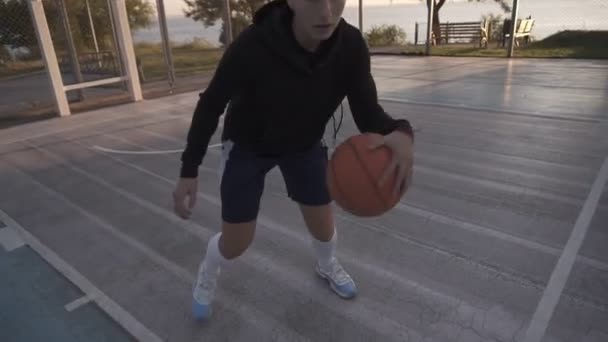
x=502, y=236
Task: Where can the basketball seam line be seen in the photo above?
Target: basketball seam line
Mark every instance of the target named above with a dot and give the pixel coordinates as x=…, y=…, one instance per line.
x=368, y=173
x=337, y=185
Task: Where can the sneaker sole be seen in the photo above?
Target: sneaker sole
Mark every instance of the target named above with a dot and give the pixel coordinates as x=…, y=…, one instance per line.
x=199, y=311
x=333, y=286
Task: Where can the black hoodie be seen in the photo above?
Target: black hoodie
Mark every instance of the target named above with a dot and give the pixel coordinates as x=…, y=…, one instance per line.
x=281, y=96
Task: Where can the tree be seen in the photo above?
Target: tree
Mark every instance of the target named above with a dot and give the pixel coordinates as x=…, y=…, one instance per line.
x=140, y=13
x=385, y=35
x=17, y=28
x=210, y=11
x=438, y=4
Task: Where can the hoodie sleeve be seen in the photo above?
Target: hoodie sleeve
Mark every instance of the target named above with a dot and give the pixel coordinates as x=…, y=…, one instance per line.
x=211, y=105
x=362, y=96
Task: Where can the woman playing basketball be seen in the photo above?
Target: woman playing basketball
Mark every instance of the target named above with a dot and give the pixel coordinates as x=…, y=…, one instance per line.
x=282, y=79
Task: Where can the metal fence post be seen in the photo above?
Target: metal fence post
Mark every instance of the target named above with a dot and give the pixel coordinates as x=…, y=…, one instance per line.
x=116, y=46
x=92, y=27
x=164, y=31
x=361, y=16
x=228, y=26
x=429, y=26
x=71, y=47
x=513, y=28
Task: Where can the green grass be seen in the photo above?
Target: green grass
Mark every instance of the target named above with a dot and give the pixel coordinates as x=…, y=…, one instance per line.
x=571, y=44
x=20, y=68
x=188, y=58
x=565, y=44
x=198, y=56
x=460, y=50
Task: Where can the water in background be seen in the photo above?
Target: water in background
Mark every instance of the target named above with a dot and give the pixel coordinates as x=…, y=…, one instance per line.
x=551, y=16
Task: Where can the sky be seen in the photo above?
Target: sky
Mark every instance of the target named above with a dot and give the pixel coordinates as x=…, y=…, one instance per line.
x=173, y=7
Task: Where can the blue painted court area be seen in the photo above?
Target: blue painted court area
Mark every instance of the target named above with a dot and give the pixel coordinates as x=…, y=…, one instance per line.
x=33, y=297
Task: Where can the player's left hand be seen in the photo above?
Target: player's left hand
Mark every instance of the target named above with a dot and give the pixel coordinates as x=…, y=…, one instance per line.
x=402, y=163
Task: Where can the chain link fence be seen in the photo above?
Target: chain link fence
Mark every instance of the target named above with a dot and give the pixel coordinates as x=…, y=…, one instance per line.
x=21, y=65
x=185, y=54
x=18, y=46
x=188, y=53
x=86, y=50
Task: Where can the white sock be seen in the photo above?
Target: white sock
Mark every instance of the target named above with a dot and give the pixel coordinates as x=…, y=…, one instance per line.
x=213, y=257
x=324, y=251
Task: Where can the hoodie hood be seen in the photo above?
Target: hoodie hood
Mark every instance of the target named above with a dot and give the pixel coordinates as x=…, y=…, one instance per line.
x=274, y=20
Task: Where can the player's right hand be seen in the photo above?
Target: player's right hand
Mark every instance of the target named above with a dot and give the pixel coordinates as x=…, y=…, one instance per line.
x=186, y=189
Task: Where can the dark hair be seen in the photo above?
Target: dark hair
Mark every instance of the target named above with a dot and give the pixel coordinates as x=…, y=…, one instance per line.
x=282, y=4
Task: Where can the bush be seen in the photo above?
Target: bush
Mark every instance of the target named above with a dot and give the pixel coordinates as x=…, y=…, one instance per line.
x=385, y=35
x=194, y=44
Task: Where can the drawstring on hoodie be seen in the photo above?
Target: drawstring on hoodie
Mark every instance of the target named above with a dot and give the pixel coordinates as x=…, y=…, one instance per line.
x=337, y=128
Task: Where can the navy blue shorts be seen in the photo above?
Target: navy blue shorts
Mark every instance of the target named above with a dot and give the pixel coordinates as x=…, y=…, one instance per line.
x=244, y=172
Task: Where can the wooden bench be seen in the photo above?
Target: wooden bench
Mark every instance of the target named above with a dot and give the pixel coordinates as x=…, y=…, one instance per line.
x=472, y=31
x=523, y=30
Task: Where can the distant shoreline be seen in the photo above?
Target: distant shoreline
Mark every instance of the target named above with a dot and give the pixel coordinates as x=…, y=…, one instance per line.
x=551, y=17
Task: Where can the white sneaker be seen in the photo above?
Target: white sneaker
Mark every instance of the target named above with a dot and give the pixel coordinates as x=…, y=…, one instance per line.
x=203, y=292
x=338, y=279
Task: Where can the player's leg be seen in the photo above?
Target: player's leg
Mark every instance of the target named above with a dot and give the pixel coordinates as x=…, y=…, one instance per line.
x=319, y=220
x=305, y=178
x=241, y=187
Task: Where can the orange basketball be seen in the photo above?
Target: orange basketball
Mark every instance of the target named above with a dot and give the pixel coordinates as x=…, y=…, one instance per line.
x=353, y=174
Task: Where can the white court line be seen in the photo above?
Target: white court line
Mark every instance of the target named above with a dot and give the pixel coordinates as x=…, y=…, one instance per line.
x=56, y=130
x=267, y=222
x=551, y=295
x=256, y=317
x=472, y=227
x=272, y=225
x=75, y=304
x=9, y=239
x=490, y=109
x=512, y=276
x=109, y=150
x=495, y=233
x=120, y=315
x=475, y=228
